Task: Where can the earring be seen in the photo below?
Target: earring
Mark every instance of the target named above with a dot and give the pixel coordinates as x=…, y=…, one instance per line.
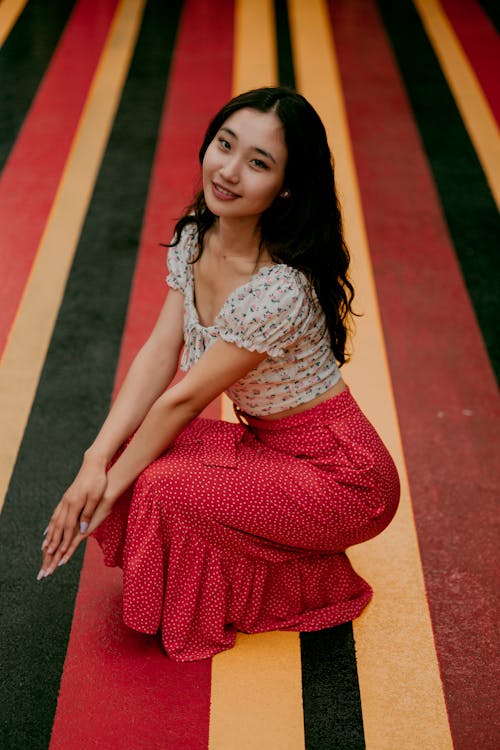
x=285, y=194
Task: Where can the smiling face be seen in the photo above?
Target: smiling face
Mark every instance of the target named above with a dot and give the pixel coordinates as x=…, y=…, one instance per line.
x=244, y=165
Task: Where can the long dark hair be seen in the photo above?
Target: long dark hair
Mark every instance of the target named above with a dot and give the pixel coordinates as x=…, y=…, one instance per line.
x=303, y=230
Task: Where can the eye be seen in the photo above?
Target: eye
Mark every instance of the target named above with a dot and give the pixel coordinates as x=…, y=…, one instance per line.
x=260, y=164
x=225, y=145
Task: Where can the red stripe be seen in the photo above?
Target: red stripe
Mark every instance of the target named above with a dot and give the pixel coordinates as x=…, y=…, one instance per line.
x=481, y=45
x=112, y=674
x=118, y=690
x=33, y=172
x=445, y=390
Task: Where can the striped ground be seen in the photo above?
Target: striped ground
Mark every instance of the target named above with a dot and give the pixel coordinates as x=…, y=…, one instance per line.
x=102, y=106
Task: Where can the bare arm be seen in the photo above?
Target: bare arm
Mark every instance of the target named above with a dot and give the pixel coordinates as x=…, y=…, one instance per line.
x=150, y=374
x=222, y=365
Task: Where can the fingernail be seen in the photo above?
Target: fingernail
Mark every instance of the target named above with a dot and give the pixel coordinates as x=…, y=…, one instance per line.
x=83, y=527
x=41, y=574
x=47, y=573
x=44, y=545
x=45, y=531
x=62, y=561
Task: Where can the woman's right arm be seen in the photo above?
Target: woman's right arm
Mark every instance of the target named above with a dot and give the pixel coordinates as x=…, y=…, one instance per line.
x=149, y=375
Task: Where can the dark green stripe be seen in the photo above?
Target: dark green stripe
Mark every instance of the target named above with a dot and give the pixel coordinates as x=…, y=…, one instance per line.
x=332, y=706
x=24, y=59
x=465, y=197
x=73, y=396
x=286, y=70
x=492, y=9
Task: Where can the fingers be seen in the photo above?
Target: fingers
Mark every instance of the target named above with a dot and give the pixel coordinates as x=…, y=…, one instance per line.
x=69, y=523
x=60, y=535
x=77, y=539
x=51, y=561
x=88, y=512
x=53, y=532
x=63, y=552
x=77, y=505
x=62, y=525
x=74, y=518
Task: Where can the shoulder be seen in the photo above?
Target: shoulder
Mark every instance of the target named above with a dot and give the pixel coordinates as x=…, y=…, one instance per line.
x=268, y=313
x=187, y=244
x=180, y=255
x=280, y=289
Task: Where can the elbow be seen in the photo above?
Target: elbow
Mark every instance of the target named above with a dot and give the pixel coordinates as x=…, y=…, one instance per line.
x=178, y=405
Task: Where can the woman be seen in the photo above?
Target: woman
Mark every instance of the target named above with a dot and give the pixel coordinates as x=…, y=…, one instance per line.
x=222, y=527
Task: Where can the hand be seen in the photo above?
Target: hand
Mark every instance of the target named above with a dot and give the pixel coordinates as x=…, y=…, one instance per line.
x=73, y=514
x=62, y=554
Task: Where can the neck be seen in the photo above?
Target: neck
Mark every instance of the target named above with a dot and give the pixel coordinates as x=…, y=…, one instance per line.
x=237, y=238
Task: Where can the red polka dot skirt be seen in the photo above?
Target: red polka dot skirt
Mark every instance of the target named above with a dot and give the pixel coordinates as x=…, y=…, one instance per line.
x=245, y=526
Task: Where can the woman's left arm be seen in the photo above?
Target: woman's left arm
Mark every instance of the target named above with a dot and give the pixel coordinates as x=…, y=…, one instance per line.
x=219, y=367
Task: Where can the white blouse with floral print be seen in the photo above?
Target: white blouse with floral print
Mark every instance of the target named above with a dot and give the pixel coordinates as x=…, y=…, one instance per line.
x=273, y=312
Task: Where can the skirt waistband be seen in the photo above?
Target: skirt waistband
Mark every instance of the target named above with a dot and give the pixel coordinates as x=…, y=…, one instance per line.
x=333, y=408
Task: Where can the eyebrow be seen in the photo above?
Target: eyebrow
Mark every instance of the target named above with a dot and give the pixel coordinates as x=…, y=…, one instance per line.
x=255, y=148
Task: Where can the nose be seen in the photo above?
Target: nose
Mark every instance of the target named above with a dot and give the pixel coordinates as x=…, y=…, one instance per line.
x=230, y=170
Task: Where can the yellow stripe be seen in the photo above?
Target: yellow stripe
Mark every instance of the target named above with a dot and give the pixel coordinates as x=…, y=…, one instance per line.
x=256, y=698
x=468, y=94
x=254, y=45
x=402, y=699
x=26, y=349
x=10, y=10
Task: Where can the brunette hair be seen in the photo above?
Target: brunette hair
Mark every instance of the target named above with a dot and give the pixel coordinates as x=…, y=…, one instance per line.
x=304, y=229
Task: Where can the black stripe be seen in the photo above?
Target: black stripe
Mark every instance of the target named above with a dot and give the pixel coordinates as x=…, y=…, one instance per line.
x=492, y=9
x=286, y=70
x=467, y=202
x=24, y=59
x=74, y=394
x=332, y=706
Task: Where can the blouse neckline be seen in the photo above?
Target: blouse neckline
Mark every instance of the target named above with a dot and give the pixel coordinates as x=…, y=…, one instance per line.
x=191, y=298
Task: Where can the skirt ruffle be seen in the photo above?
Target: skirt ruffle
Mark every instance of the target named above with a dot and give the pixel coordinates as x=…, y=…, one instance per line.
x=199, y=595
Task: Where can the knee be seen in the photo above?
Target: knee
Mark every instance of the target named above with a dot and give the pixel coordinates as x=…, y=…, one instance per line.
x=165, y=485
x=147, y=479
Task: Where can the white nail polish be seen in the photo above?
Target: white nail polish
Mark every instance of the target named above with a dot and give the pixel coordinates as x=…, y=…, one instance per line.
x=62, y=561
x=45, y=531
x=40, y=575
x=83, y=527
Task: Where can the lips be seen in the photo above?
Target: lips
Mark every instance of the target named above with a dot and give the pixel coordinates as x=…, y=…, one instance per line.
x=222, y=193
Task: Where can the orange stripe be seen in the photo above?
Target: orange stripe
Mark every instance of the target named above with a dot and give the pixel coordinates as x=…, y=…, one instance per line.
x=10, y=10
x=256, y=686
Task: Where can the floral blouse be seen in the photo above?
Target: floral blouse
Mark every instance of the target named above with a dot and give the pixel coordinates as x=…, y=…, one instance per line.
x=274, y=312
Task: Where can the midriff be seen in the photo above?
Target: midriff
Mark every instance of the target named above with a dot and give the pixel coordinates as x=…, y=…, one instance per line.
x=330, y=393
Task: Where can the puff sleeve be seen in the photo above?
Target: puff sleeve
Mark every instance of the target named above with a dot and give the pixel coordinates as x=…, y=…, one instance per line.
x=269, y=314
x=178, y=257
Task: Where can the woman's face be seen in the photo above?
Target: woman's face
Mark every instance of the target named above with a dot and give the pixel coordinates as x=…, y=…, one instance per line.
x=244, y=165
